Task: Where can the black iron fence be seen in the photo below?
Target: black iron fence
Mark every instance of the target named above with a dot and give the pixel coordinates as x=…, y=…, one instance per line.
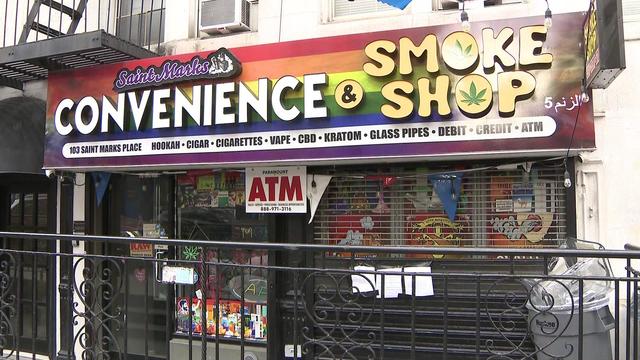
x=120, y=298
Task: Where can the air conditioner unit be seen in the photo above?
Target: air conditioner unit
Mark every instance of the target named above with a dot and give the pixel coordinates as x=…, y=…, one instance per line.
x=224, y=16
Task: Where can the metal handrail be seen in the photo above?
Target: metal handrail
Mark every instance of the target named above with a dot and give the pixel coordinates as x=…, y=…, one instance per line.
x=508, y=252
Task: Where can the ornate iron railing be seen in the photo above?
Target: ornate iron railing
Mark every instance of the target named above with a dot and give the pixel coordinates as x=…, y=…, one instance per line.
x=377, y=303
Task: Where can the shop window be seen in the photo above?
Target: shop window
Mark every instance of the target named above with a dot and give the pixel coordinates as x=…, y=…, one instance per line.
x=631, y=10
x=141, y=22
x=346, y=8
x=495, y=208
x=211, y=207
x=359, y=7
x=470, y=4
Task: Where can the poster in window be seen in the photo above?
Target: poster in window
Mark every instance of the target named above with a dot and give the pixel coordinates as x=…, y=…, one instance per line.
x=520, y=229
x=359, y=230
x=433, y=229
x=522, y=197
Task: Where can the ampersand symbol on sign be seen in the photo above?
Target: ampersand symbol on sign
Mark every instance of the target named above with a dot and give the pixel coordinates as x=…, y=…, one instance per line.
x=348, y=96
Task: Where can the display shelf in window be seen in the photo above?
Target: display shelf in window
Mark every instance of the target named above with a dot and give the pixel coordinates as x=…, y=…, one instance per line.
x=229, y=319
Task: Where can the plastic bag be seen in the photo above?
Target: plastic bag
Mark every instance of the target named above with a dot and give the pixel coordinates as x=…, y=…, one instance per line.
x=558, y=295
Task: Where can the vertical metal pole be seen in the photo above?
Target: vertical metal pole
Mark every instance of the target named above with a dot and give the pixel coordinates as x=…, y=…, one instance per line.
x=446, y=317
x=190, y=305
x=15, y=22
x=126, y=309
x=146, y=312
x=160, y=37
x=413, y=315
x=635, y=317
x=26, y=17
x=218, y=310
x=34, y=301
x=295, y=315
x=108, y=15
x=49, y=21
x=100, y=18
x=73, y=14
x=381, y=317
x=580, y=318
x=20, y=273
x=131, y=26
x=242, y=304
x=203, y=309
x=38, y=5
x=198, y=20
x=140, y=27
x=477, y=317
x=4, y=31
x=628, y=333
x=150, y=24
x=60, y=17
x=617, y=320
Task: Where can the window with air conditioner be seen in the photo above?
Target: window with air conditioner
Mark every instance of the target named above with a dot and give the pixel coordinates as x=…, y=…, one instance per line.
x=224, y=16
x=141, y=22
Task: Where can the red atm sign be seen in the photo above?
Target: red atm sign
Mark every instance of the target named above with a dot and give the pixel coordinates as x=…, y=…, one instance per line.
x=276, y=190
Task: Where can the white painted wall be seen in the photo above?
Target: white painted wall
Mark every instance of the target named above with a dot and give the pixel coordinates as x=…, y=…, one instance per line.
x=610, y=197
x=304, y=19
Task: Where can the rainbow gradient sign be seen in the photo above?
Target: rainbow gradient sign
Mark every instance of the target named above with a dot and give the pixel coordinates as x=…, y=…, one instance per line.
x=510, y=88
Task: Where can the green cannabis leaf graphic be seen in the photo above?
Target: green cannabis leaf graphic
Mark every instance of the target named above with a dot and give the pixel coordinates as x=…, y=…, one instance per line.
x=473, y=97
x=191, y=253
x=464, y=52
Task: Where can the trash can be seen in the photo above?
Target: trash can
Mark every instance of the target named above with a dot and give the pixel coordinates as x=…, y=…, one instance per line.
x=556, y=332
x=554, y=314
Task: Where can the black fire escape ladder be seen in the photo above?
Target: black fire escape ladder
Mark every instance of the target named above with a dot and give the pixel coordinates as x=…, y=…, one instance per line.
x=33, y=24
x=54, y=49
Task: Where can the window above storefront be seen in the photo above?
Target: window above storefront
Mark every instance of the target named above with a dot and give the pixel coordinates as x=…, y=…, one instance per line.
x=349, y=9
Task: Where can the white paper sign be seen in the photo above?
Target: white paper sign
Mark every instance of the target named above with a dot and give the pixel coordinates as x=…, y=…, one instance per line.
x=363, y=283
x=179, y=275
x=392, y=286
x=276, y=190
x=423, y=284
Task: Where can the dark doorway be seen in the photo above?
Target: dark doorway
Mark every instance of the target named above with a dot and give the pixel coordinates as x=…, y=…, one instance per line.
x=27, y=204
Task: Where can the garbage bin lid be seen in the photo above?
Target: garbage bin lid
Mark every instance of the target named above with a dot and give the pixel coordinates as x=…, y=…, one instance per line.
x=566, y=309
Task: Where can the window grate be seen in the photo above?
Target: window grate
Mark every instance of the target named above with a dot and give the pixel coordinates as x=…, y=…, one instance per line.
x=398, y=207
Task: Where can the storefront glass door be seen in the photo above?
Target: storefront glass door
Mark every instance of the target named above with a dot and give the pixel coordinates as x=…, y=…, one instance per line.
x=142, y=207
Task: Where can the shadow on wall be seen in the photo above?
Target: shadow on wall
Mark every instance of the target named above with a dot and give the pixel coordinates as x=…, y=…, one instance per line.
x=22, y=132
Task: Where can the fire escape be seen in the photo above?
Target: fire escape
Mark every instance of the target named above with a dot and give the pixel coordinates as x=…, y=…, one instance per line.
x=56, y=35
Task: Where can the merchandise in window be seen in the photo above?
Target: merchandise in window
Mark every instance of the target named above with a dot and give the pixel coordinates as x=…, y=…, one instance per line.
x=211, y=207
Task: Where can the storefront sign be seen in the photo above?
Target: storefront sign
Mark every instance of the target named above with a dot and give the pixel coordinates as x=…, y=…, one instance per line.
x=141, y=249
x=276, y=190
x=411, y=93
x=604, y=43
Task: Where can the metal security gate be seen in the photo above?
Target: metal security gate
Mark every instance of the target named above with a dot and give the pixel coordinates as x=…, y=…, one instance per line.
x=498, y=207
x=27, y=206
x=399, y=207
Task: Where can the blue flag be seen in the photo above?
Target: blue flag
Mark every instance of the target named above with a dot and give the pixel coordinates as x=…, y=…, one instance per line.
x=400, y=4
x=448, y=187
x=101, y=182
